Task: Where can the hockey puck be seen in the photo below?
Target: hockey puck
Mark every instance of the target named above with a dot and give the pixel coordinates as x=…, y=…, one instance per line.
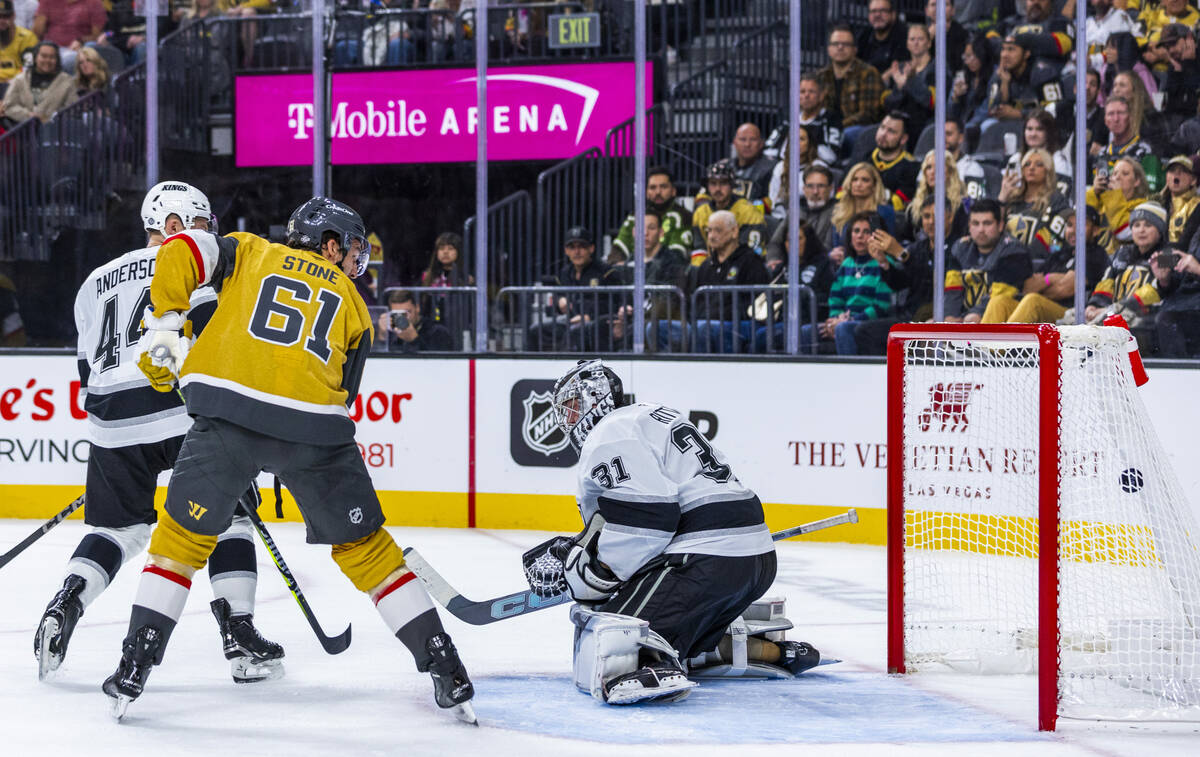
x=1131, y=480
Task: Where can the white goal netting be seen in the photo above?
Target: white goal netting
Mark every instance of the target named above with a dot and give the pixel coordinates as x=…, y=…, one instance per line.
x=1129, y=568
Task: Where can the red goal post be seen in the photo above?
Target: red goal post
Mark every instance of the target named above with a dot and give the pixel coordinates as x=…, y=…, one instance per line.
x=1047, y=536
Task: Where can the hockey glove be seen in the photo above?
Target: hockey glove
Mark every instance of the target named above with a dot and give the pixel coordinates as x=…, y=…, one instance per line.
x=544, y=566
x=161, y=379
x=162, y=342
x=587, y=578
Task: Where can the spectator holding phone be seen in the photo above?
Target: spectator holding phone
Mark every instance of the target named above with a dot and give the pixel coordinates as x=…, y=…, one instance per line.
x=858, y=293
x=1116, y=196
x=969, y=94
x=401, y=329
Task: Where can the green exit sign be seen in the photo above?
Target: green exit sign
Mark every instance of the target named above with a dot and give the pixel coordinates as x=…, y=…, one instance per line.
x=574, y=30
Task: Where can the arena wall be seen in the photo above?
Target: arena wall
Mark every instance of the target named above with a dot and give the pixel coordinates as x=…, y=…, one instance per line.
x=459, y=442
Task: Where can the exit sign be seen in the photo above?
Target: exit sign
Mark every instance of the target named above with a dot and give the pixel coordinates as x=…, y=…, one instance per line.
x=574, y=30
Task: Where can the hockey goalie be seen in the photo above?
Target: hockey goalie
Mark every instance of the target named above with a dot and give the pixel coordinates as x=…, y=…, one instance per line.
x=674, y=557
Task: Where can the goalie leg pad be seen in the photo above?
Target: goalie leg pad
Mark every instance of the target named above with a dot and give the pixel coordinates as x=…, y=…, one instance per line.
x=607, y=659
x=754, y=647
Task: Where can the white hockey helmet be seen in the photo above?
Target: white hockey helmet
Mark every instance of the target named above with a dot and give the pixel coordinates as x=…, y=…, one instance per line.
x=589, y=391
x=175, y=197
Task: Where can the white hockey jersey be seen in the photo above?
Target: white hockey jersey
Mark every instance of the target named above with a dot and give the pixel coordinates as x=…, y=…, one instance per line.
x=122, y=408
x=662, y=488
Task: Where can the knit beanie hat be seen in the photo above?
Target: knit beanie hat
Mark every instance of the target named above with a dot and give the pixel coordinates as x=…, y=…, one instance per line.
x=1153, y=214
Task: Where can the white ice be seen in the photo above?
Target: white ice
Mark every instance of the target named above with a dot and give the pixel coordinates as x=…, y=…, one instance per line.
x=370, y=700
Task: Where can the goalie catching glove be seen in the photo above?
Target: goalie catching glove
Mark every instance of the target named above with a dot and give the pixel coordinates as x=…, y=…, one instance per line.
x=162, y=349
x=560, y=565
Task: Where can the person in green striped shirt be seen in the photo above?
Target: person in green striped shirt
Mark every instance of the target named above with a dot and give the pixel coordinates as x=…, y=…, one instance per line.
x=858, y=292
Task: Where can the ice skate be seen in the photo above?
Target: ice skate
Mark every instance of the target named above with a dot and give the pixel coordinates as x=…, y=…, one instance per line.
x=452, y=688
x=797, y=656
x=659, y=682
x=58, y=624
x=139, y=653
x=251, y=657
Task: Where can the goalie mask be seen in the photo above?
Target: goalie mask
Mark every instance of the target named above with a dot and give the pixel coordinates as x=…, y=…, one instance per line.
x=169, y=198
x=586, y=394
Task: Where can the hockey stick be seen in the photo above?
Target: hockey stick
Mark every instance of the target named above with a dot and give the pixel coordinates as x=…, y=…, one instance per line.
x=7, y=557
x=331, y=644
x=511, y=605
x=850, y=516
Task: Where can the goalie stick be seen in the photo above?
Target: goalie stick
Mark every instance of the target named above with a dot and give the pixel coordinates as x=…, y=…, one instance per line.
x=522, y=602
x=8, y=556
x=331, y=644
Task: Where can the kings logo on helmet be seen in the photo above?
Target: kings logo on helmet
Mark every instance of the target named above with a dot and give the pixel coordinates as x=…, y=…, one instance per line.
x=536, y=439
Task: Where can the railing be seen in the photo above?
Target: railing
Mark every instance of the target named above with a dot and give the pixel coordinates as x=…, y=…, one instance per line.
x=738, y=319
x=189, y=73
x=582, y=318
x=23, y=228
x=129, y=106
x=451, y=308
x=56, y=175
x=510, y=241
x=580, y=191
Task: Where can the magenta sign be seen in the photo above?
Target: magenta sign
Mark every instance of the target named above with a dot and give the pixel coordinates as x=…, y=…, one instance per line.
x=429, y=116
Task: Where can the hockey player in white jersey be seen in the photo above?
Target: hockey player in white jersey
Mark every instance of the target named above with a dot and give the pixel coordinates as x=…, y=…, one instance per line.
x=675, y=549
x=136, y=433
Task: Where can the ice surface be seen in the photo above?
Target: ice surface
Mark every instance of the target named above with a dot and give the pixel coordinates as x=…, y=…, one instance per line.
x=369, y=700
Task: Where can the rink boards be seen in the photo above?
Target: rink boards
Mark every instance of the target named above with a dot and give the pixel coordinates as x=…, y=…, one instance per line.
x=461, y=442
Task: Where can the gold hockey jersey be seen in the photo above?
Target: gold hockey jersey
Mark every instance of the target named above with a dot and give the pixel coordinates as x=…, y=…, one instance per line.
x=283, y=353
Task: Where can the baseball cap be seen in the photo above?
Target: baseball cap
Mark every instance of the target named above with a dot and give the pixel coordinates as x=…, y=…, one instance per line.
x=1172, y=33
x=1184, y=162
x=6, y=8
x=578, y=234
x=1020, y=40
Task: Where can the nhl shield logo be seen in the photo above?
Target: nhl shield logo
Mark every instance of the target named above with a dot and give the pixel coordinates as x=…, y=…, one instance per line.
x=536, y=438
x=539, y=428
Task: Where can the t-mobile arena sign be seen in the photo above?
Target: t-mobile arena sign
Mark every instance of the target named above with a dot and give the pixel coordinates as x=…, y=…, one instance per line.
x=429, y=116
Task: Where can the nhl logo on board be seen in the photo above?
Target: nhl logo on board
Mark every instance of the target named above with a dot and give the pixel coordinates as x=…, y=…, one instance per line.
x=535, y=436
x=356, y=516
x=539, y=427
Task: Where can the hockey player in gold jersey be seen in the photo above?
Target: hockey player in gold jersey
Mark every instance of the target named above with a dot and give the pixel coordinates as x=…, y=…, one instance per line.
x=268, y=383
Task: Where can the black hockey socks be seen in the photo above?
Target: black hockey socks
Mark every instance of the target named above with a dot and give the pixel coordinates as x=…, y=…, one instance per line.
x=417, y=632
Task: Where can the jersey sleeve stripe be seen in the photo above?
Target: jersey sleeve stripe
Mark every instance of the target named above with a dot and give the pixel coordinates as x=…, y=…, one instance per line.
x=204, y=252
x=721, y=515
x=654, y=516
x=196, y=256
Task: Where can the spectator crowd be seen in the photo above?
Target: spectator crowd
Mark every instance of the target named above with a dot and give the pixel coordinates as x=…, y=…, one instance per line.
x=865, y=177
x=867, y=209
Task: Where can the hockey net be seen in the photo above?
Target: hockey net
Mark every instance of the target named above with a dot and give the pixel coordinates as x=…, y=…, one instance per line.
x=1035, y=523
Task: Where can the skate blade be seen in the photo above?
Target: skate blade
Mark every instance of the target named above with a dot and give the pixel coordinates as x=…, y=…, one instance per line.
x=120, y=703
x=465, y=712
x=48, y=662
x=245, y=671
